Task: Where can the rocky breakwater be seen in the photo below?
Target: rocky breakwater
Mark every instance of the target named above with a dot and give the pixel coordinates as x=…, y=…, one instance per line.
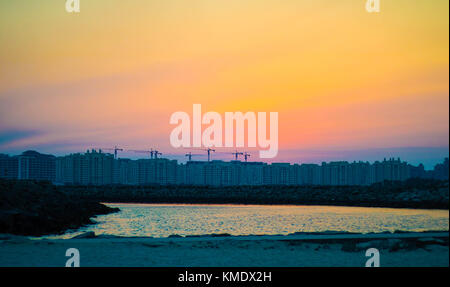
x=38, y=208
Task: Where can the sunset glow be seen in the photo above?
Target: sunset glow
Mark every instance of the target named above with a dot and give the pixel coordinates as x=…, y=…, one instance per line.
x=339, y=77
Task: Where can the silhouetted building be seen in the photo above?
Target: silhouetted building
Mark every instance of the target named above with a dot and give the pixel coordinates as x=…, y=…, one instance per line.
x=156, y=171
x=279, y=173
x=441, y=170
x=310, y=174
x=98, y=168
x=181, y=174
x=92, y=168
x=37, y=166
x=391, y=169
x=252, y=173
x=125, y=171
x=417, y=171
x=8, y=166
x=359, y=174
x=335, y=173
x=195, y=172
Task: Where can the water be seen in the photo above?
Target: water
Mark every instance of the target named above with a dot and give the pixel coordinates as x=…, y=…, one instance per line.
x=162, y=220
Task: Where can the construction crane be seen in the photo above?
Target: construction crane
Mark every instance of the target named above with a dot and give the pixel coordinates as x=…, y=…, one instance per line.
x=237, y=154
x=209, y=150
x=246, y=155
x=155, y=152
x=150, y=152
x=190, y=155
x=115, y=149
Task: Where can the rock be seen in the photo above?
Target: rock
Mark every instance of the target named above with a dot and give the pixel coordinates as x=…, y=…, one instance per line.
x=393, y=241
x=108, y=236
x=364, y=245
x=89, y=234
x=14, y=238
x=430, y=240
x=36, y=208
x=5, y=236
x=379, y=244
x=220, y=235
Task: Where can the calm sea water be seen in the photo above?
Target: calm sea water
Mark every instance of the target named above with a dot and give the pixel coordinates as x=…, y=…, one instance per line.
x=162, y=220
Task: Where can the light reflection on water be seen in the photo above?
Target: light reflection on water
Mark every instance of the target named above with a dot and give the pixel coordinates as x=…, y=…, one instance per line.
x=162, y=220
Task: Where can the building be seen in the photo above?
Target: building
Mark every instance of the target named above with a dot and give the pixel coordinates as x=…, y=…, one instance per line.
x=279, y=173
x=91, y=168
x=252, y=173
x=335, y=173
x=392, y=169
x=359, y=174
x=441, y=170
x=309, y=174
x=8, y=166
x=181, y=174
x=36, y=166
x=98, y=168
x=195, y=172
x=125, y=171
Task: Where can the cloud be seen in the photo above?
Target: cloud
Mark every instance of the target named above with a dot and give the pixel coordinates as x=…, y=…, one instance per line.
x=10, y=136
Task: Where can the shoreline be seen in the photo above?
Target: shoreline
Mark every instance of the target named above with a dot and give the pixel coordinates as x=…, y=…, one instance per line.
x=261, y=204
x=296, y=250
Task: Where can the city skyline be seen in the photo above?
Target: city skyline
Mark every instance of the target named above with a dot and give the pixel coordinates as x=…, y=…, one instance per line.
x=432, y=157
x=95, y=167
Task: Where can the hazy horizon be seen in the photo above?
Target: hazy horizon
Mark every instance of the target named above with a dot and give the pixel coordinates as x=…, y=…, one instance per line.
x=428, y=156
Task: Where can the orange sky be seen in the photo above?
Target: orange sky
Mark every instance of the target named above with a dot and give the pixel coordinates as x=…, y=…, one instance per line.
x=339, y=77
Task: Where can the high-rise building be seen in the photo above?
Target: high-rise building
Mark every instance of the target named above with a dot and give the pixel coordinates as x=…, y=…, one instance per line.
x=195, y=172
x=156, y=171
x=125, y=171
x=441, y=170
x=37, y=166
x=92, y=168
x=8, y=166
x=335, y=173
x=310, y=174
x=181, y=174
x=98, y=168
x=252, y=173
x=392, y=169
x=279, y=173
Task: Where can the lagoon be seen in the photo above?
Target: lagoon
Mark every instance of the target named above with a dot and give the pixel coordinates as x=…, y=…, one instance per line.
x=163, y=220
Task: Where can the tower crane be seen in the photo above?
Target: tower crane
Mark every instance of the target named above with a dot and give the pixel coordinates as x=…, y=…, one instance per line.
x=150, y=152
x=190, y=155
x=246, y=155
x=156, y=153
x=209, y=150
x=115, y=149
x=237, y=154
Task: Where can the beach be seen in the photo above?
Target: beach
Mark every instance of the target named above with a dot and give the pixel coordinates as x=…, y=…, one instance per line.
x=329, y=249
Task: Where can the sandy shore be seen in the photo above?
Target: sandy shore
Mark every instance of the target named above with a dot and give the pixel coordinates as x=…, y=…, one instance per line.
x=335, y=250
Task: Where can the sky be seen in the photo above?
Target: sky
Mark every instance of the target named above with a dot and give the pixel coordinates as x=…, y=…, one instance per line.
x=344, y=82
